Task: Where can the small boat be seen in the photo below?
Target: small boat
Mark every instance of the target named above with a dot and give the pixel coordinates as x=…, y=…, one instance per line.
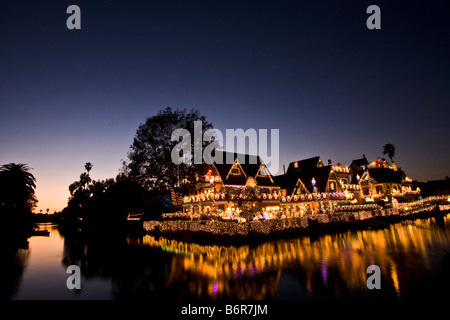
x=135, y=216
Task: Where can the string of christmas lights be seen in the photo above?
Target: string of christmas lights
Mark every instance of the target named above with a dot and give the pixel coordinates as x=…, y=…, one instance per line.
x=241, y=227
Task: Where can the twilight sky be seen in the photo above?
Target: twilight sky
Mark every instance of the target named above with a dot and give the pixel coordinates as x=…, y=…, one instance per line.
x=310, y=68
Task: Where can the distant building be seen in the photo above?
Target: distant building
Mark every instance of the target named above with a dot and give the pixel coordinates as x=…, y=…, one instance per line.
x=435, y=187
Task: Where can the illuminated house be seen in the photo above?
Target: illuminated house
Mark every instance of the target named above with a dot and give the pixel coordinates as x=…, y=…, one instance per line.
x=379, y=181
x=245, y=184
x=308, y=184
x=311, y=176
x=224, y=186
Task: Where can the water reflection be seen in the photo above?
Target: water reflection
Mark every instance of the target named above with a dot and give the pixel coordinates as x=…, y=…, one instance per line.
x=13, y=260
x=409, y=255
x=14, y=255
x=134, y=272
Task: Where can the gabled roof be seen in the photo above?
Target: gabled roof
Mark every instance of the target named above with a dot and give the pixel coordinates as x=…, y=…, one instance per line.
x=321, y=175
x=305, y=170
x=287, y=182
x=386, y=175
x=359, y=163
x=249, y=169
x=266, y=181
x=304, y=165
x=357, y=167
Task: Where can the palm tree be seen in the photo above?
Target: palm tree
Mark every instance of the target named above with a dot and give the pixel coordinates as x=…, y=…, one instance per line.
x=389, y=149
x=88, y=166
x=17, y=186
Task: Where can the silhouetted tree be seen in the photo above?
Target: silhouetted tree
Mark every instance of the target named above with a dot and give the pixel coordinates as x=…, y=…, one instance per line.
x=88, y=166
x=17, y=186
x=150, y=160
x=389, y=149
x=103, y=203
x=80, y=196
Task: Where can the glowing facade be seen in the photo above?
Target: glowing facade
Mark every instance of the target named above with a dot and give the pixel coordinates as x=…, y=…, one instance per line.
x=307, y=186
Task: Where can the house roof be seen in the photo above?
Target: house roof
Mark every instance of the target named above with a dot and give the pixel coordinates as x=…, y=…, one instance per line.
x=357, y=167
x=287, y=182
x=306, y=173
x=304, y=165
x=249, y=169
x=359, y=163
x=321, y=175
x=386, y=175
x=265, y=181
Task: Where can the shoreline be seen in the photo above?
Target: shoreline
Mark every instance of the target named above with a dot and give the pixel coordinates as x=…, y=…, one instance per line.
x=231, y=232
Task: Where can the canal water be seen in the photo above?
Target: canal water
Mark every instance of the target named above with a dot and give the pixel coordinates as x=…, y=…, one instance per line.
x=413, y=257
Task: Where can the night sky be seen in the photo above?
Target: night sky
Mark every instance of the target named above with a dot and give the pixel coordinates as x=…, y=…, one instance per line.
x=311, y=69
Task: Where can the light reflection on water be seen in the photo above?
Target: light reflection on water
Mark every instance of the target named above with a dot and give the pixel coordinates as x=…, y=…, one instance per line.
x=331, y=266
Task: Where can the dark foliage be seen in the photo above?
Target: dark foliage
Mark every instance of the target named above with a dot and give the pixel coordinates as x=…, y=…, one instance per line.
x=389, y=149
x=17, y=200
x=17, y=186
x=150, y=162
x=107, y=203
